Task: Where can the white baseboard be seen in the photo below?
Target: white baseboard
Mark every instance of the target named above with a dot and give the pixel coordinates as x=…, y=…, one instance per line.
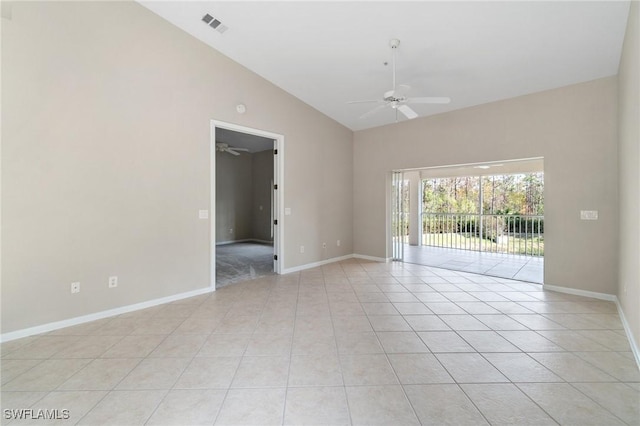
x=316, y=264
x=44, y=328
x=372, y=258
x=224, y=243
x=578, y=292
x=261, y=241
x=632, y=341
x=246, y=240
x=332, y=260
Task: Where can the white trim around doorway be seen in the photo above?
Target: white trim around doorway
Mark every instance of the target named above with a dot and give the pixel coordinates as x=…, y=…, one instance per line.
x=278, y=243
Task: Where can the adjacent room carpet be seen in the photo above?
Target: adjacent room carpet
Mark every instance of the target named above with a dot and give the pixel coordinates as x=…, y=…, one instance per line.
x=242, y=261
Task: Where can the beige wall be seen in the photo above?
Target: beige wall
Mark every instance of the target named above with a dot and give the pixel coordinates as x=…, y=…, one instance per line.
x=234, y=197
x=243, y=185
x=573, y=128
x=105, y=130
x=629, y=172
x=262, y=165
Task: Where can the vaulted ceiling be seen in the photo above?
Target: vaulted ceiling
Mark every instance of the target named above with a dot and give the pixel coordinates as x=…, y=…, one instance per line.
x=328, y=53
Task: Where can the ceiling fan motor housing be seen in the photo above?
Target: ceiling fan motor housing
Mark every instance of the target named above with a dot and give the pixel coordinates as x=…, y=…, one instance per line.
x=389, y=97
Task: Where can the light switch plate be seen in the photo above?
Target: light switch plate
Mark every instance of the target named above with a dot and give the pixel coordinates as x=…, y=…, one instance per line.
x=203, y=214
x=589, y=214
x=287, y=211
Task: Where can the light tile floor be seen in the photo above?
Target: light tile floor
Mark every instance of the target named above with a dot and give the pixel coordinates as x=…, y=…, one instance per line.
x=517, y=267
x=349, y=343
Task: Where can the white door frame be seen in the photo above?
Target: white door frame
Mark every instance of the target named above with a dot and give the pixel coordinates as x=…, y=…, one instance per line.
x=278, y=179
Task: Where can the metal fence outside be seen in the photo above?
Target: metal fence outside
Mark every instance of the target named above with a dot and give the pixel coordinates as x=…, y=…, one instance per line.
x=508, y=234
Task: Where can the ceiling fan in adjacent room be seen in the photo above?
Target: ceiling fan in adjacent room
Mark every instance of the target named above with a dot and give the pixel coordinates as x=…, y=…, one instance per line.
x=224, y=147
x=396, y=98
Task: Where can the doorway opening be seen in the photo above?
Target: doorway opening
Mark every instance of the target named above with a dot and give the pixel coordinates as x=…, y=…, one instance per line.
x=483, y=218
x=246, y=189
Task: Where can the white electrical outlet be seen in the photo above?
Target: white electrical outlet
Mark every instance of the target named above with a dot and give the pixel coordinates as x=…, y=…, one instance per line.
x=338, y=243
x=301, y=249
x=75, y=287
x=324, y=245
x=231, y=230
x=113, y=282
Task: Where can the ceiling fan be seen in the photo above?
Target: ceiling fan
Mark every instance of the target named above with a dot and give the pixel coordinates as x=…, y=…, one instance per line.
x=224, y=147
x=396, y=98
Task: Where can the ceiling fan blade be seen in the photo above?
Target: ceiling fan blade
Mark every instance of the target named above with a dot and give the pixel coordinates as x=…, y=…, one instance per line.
x=373, y=111
x=408, y=112
x=369, y=101
x=429, y=100
x=239, y=149
x=232, y=152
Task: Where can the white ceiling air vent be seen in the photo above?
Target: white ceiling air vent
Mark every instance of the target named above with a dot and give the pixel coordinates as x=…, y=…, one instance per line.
x=214, y=23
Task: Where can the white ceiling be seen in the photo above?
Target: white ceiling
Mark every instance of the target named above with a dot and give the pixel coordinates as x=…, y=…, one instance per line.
x=530, y=165
x=327, y=53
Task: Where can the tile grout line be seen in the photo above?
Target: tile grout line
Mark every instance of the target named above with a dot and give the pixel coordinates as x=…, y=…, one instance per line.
x=228, y=389
x=344, y=385
x=404, y=392
x=572, y=384
x=171, y=388
x=293, y=333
